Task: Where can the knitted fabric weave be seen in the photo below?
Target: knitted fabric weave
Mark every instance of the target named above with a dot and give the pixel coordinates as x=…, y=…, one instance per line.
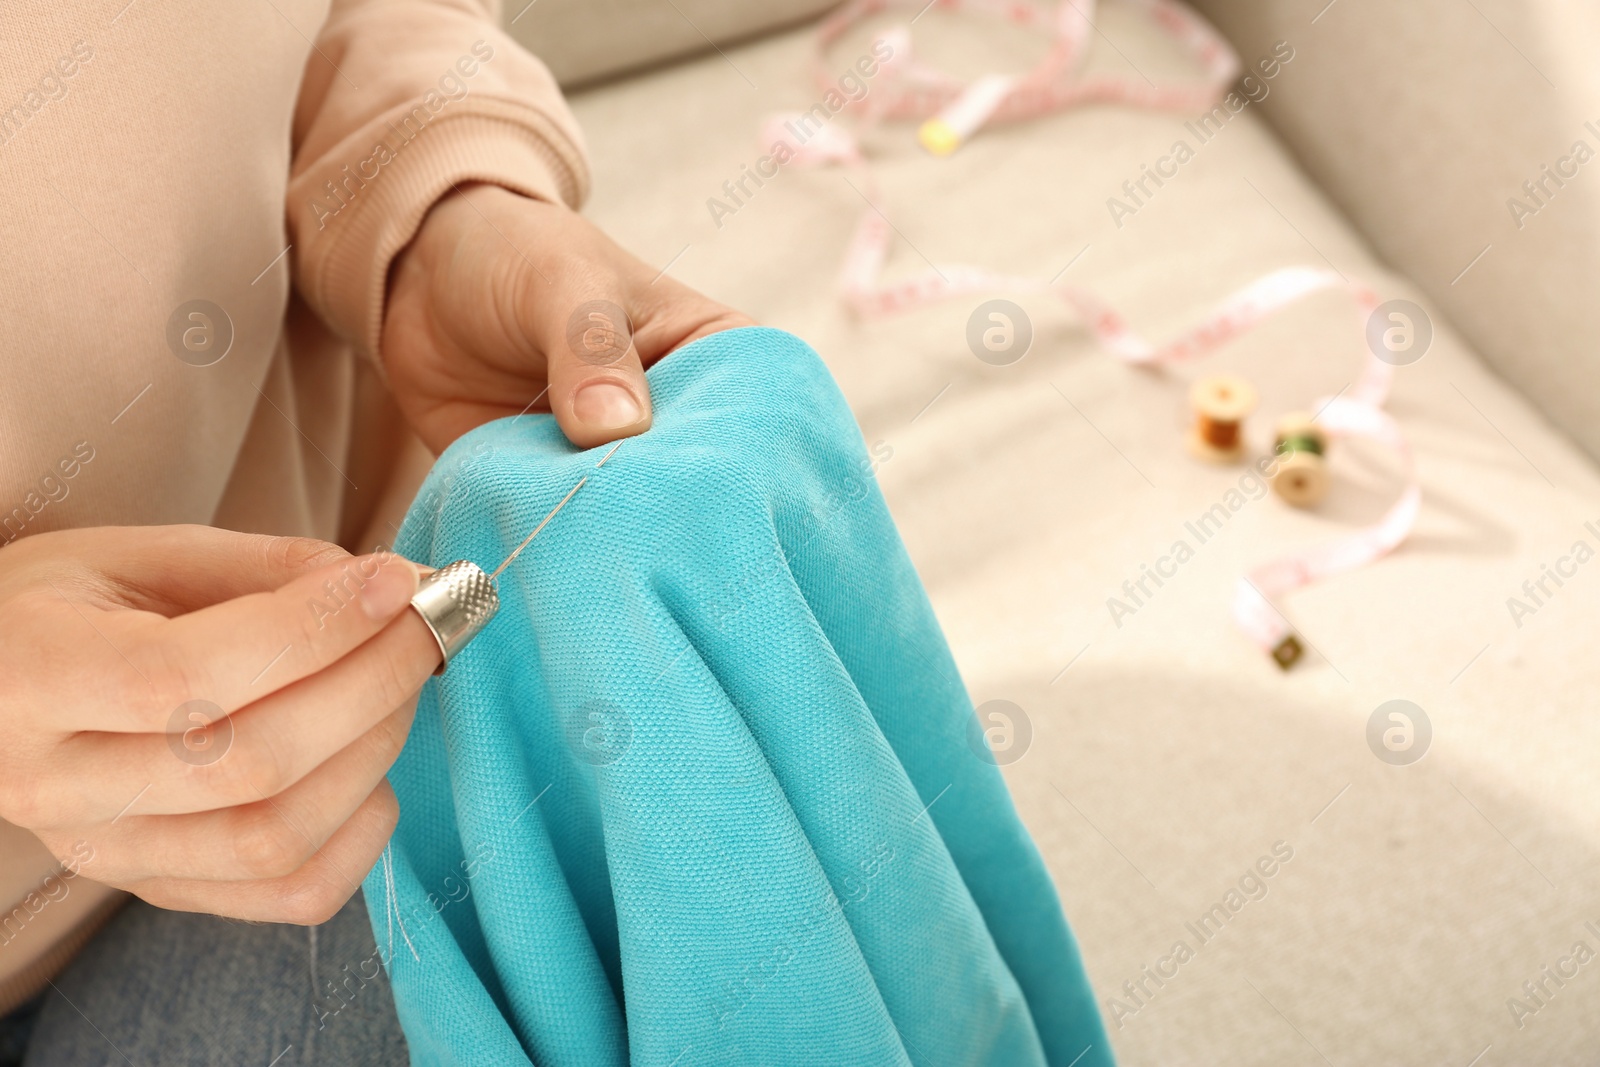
x=706, y=791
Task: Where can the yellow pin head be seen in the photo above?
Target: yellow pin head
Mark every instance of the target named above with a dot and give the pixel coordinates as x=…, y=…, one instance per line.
x=938, y=137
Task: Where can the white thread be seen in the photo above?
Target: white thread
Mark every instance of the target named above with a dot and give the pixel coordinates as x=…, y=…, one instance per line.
x=394, y=900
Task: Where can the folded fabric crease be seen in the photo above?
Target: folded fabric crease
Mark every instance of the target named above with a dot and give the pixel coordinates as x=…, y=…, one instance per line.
x=705, y=791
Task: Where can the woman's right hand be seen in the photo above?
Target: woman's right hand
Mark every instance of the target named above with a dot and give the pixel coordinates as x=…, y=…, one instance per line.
x=118, y=649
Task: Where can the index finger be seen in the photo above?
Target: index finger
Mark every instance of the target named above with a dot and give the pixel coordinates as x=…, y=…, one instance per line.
x=238, y=651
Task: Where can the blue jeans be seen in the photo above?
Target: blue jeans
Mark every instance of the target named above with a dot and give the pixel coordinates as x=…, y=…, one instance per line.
x=176, y=989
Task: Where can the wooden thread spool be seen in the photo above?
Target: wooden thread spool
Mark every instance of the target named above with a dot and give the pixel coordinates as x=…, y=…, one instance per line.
x=1220, y=406
x=1302, y=474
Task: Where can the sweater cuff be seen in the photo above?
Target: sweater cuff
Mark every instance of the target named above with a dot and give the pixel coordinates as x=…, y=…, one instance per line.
x=358, y=224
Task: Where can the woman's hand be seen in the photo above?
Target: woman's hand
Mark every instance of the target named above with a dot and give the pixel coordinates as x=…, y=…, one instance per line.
x=502, y=300
x=212, y=713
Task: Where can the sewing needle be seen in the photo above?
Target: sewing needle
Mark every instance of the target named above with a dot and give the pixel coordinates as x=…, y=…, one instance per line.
x=515, y=552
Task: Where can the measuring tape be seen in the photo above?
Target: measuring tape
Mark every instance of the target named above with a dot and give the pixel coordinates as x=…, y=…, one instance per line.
x=952, y=111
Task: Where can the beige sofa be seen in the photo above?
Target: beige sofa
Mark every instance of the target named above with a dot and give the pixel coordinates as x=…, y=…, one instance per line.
x=1167, y=754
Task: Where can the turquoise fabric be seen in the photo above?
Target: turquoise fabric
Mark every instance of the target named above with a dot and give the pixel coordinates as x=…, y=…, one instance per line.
x=704, y=792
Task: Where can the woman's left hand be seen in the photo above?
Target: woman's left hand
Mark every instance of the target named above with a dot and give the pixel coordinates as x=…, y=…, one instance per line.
x=501, y=300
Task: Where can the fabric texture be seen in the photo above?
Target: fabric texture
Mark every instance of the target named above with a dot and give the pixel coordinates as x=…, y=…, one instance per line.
x=185, y=990
x=709, y=789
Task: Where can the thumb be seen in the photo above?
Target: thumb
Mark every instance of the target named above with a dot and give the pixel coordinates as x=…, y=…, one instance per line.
x=598, y=390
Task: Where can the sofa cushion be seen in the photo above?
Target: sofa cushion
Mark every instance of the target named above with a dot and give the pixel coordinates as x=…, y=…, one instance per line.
x=1168, y=757
x=586, y=40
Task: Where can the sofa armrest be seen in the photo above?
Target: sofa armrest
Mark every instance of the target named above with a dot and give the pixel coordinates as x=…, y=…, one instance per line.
x=1423, y=121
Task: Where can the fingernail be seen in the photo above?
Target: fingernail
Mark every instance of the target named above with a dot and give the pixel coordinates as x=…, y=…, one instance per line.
x=606, y=405
x=388, y=592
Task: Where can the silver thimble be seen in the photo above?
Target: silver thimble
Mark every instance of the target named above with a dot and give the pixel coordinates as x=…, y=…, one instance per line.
x=456, y=601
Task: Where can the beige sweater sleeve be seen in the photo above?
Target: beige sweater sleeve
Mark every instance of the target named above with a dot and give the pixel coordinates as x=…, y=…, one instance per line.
x=403, y=100
x=119, y=217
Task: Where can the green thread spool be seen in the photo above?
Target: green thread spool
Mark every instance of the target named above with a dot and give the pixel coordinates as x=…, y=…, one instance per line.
x=1301, y=477
x=1302, y=442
